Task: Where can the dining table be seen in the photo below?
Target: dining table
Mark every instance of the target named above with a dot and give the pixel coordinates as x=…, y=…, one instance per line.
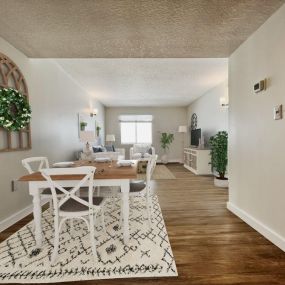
x=106, y=174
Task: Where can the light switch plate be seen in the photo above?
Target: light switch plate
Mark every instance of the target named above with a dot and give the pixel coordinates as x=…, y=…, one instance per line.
x=277, y=112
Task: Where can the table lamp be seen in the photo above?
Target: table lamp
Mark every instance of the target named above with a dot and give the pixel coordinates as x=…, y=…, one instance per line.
x=110, y=138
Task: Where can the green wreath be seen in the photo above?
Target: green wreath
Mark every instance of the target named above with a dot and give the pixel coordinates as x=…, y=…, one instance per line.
x=15, y=111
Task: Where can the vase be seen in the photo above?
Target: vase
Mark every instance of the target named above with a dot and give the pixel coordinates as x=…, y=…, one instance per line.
x=164, y=158
x=222, y=183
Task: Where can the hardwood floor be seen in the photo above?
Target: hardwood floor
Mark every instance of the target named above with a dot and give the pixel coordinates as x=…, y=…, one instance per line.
x=210, y=244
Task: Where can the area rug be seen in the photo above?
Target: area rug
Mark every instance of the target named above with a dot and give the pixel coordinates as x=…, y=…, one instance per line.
x=148, y=253
x=160, y=172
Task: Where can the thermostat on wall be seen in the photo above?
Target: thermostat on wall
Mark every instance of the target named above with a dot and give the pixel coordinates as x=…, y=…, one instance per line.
x=260, y=86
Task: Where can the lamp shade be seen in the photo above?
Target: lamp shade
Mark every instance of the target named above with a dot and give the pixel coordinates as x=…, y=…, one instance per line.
x=110, y=138
x=87, y=136
x=182, y=129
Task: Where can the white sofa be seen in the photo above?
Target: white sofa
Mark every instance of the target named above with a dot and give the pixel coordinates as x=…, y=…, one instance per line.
x=139, y=151
x=119, y=154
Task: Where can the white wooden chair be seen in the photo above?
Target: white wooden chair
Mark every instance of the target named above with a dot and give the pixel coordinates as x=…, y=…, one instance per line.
x=71, y=206
x=34, y=164
x=40, y=162
x=141, y=188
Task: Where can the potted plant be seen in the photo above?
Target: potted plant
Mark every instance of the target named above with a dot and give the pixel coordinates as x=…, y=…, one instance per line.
x=219, y=157
x=83, y=126
x=98, y=130
x=165, y=141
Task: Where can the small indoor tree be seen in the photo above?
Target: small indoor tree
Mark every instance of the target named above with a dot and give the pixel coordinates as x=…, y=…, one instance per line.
x=219, y=153
x=165, y=141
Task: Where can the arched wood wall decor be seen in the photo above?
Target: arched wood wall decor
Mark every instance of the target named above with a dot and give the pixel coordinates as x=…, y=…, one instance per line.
x=11, y=76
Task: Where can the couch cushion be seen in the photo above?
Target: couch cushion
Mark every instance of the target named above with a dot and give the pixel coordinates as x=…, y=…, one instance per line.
x=110, y=148
x=137, y=155
x=97, y=148
x=146, y=155
x=141, y=148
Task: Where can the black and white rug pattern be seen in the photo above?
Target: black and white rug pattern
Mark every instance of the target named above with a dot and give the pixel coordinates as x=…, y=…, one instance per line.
x=148, y=253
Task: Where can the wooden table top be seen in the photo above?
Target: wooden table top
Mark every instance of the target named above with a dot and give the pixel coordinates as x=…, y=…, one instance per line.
x=104, y=170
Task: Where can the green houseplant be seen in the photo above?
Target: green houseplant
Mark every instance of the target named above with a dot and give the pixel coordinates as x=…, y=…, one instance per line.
x=83, y=126
x=98, y=130
x=219, y=157
x=166, y=140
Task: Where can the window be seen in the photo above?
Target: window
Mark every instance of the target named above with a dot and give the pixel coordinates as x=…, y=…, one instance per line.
x=136, y=129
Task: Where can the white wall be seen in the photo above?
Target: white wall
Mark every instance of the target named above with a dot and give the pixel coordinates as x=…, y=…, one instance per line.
x=211, y=116
x=256, y=141
x=165, y=119
x=55, y=100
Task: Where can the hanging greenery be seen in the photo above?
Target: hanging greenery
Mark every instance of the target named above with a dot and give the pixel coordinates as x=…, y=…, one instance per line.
x=15, y=111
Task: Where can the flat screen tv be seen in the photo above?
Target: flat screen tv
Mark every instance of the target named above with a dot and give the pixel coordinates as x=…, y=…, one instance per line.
x=195, y=136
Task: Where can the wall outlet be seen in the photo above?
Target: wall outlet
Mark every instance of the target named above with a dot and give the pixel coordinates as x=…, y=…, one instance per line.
x=277, y=112
x=13, y=189
x=16, y=185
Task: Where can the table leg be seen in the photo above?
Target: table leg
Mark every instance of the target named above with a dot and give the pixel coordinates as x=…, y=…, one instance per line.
x=37, y=211
x=125, y=188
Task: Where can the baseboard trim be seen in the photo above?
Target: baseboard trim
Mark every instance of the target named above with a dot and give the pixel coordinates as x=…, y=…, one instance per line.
x=268, y=233
x=8, y=222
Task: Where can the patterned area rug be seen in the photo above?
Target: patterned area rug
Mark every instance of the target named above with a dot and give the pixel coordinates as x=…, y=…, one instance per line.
x=148, y=254
x=160, y=172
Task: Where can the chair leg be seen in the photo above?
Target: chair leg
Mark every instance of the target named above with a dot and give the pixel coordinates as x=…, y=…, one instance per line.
x=92, y=220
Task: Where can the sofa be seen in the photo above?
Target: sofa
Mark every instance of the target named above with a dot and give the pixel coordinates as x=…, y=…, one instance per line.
x=115, y=154
x=140, y=151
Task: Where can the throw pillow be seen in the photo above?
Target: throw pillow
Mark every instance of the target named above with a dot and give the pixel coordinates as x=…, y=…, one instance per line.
x=110, y=148
x=97, y=149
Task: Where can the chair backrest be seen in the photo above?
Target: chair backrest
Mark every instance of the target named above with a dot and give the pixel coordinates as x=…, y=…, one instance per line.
x=150, y=168
x=41, y=161
x=87, y=173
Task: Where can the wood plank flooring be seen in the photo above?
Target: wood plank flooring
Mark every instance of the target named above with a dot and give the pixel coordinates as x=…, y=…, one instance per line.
x=210, y=244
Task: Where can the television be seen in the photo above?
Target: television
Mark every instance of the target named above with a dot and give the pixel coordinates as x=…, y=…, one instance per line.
x=195, y=136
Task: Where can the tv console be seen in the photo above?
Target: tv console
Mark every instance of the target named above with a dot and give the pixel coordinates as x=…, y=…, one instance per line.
x=197, y=160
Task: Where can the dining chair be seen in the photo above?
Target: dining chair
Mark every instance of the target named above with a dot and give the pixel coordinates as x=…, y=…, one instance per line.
x=72, y=206
x=39, y=162
x=142, y=188
x=34, y=164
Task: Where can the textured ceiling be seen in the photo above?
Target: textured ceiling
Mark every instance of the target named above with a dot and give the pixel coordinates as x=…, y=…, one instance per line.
x=131, y=28
x=146, y=82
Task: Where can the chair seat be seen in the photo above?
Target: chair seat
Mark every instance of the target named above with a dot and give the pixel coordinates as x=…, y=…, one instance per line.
x=47, y=191
x=137, y=186
x=72, y=205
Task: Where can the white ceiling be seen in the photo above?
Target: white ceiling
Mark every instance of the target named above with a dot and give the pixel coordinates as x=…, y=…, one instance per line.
x=146, y=82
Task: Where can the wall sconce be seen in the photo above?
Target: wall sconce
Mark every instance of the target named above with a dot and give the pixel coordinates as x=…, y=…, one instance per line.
x=93, y=113
x=224, y=102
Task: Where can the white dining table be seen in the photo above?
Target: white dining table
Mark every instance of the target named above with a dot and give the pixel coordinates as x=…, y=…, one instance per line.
x=112, y=175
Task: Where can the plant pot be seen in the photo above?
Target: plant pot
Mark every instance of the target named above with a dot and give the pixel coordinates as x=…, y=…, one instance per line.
x=164, y=158
x=222, y=183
